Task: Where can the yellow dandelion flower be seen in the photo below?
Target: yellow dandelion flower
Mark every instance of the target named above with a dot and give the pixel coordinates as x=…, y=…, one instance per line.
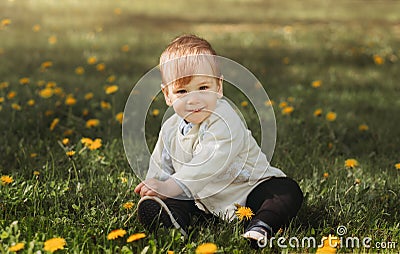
x=46, y=64
x=49, y=112
x=92, y=123
x=89, y=96
x=100, y=67
x=31, y=102
x=54, y=123
x=86, y=141
x=85, y=112
x=79, y=70
x=105, y=105
x=5, y=179
x=124, y=180
x=206, y=248
x=331, y=116
x=36, y=28
x=269, y=103
x=58, y=91
x=326, y=250
x=1, y=99
x=52, y=40
x=135, y=237
x=378, y=60
x=65, y=141
x=46, y=93
x=119, y=117
x=318, y=112
x=16, y=247
x=128, y=205
x=54, y=244
x=40, y=83
x=16, y=106
x=117, y=11
x=33, y=155
x=326, y=175
x=111, y=79
x=330, y=245
x=170, y=252
x=111, y=89
x=96, y=144
x=363, y=127
x=397, y=165
x=92, y=60
x=70, y=153
x=244, y=212
x=24, y=81
x=288, y=29
x=70, y=100
x=351, y=163
x=68, y=132
x=286, y=60
x=116, y=233
x=5, y=22
x=283, y=104
x=287, y=110
x=316, y=83
x=4, y=84
x=155, y=112
x=36, y=173
x=244, y=104
x=125, y=48
x=11, y=95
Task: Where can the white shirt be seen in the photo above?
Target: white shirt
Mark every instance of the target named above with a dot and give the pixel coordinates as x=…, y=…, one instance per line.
x=218, y=162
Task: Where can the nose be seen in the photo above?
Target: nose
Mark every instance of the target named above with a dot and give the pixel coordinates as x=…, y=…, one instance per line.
x=193, y=98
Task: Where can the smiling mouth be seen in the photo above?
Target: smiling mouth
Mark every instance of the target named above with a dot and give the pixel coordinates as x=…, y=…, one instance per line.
x=196, y=110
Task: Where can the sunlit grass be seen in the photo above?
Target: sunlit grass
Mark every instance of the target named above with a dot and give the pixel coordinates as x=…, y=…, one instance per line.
x=67, y=68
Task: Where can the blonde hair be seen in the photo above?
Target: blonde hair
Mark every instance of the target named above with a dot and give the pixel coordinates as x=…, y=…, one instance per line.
x=186, y=56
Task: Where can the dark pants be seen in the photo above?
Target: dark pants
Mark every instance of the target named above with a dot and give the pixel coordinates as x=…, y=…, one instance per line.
x=274, y=202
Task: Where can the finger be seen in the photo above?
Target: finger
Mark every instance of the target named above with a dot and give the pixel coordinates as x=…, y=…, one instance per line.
x=143, y=191
x=139, y=187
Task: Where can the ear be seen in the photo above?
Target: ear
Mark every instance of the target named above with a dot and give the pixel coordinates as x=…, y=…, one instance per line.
x=165, y=91
x=220, y=87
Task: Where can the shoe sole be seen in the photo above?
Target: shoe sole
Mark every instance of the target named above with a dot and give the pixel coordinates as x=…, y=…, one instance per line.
x=152, y=210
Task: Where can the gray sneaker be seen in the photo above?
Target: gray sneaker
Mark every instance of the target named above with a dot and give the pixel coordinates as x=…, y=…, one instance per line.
x=258, y=232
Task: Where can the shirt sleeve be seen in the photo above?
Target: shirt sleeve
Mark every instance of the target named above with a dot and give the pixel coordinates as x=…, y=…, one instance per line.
x=155, y=167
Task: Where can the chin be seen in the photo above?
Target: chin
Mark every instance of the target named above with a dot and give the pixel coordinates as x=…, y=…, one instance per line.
x=196, y=120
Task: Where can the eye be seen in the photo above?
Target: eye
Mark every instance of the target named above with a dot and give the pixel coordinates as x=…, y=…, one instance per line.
x=203, y=88
x=181, y=91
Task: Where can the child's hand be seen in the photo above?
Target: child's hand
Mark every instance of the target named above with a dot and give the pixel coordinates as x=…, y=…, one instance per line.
x=154, y=187
x=149, y=187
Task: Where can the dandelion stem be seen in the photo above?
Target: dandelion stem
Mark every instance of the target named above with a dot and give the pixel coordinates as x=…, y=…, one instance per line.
x=75, y=170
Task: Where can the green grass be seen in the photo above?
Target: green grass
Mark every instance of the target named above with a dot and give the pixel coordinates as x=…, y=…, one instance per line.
x=286, y=44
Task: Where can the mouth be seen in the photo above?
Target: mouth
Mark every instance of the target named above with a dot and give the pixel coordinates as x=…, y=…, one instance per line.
x=196, y=110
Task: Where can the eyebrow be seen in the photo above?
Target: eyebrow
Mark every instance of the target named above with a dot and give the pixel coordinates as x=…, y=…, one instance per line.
x=203, y=82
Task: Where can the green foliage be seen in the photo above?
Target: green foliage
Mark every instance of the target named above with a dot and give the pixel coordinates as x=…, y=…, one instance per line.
x=350, y=48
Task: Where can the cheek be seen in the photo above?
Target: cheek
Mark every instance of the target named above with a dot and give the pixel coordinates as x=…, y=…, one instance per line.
x=178, y=105
x=212, y=100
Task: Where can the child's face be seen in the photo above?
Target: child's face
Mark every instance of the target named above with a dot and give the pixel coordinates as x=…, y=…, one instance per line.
x=196, y=100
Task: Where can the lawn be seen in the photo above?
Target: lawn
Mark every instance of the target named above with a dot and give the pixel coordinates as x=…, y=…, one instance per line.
x=330, y=68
